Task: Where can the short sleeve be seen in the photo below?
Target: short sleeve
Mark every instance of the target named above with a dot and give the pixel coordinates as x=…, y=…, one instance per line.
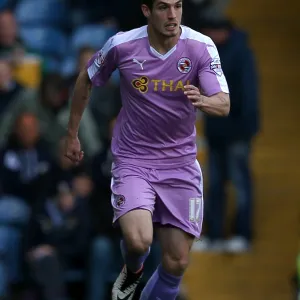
x=211, y=77
x=103, y=63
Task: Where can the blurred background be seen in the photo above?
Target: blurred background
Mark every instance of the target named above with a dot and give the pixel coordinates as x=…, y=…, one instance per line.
x=56, y=238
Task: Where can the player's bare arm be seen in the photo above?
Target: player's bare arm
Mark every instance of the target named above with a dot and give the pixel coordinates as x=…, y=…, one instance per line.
x=218, y=104
x=79, y=103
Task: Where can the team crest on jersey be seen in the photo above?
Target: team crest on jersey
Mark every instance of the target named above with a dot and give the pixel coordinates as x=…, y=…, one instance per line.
x=99, y=61
x=215, y=65
x=184, y=65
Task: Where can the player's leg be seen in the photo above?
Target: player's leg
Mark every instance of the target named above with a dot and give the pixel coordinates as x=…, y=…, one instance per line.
x=133, y=202
x=176, y=245
x=165, y=282
x=179, y=211
x=137, y=231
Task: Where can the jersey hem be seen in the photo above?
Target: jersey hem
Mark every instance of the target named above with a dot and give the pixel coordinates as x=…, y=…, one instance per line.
x=159, y=164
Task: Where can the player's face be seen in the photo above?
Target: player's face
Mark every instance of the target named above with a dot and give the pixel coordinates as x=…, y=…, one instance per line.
x=165, y=16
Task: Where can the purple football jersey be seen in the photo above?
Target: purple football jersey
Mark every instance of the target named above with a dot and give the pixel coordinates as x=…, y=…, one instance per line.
x=156, y=125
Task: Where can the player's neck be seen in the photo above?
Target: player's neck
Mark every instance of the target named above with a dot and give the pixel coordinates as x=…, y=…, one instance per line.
x=160, y=43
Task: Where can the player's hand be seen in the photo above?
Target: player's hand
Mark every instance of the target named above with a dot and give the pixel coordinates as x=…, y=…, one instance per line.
x=194, y=95
x=72, y=149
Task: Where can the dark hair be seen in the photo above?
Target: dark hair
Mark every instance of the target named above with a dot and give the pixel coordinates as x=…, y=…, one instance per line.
x=149, y=3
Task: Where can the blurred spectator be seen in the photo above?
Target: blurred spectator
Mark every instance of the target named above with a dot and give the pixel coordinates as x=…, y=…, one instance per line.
x=25, y=161
x=14, y=215
x=193, y=10
x=105, y=105
x=230, y=139
x=10, y=91
x=8, y=4
x=25, y=164
x=213, y=9
x=10, y=45
x=58, y=240
x=92, y=11
x=196, y=10
x=82, y=185
x=51, y=108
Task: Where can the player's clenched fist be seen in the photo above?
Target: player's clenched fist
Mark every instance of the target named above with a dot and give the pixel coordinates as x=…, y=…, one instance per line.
x=194, y=95
x=72, y=149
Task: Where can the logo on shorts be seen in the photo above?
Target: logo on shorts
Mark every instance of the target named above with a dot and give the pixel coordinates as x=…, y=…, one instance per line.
x=215, y=65
x=184, y=65
x=141, y=84
x=195, y=210
x=119, y=200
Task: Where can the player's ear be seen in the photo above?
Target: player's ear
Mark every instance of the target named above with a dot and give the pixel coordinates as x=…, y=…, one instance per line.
x=146, y=10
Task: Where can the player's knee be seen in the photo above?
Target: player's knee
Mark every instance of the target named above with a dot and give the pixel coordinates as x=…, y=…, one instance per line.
x=139, y=244
x=175, y=263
